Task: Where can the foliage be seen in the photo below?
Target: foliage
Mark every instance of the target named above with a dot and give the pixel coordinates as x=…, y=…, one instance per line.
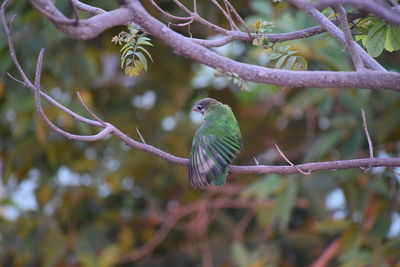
x=279, y=56
x=132, y=58
x=376, y=35
x=232, y=77
x=89, y=204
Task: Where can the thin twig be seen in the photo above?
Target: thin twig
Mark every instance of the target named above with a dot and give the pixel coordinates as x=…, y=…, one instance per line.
x=350, y=44
x=370, y=145
x=89, y=111
x=140, y=135
x=226, y=15
x=17, y=80
x=238, y=17
x=181, y=24
x=166, y=13
x=256, y=161
x=76, y=13
x=291, y=164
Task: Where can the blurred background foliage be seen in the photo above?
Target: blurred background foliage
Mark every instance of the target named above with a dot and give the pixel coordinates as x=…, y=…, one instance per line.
x=89, y=204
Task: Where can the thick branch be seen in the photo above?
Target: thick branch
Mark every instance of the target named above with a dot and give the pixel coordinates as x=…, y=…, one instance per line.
x=183, y=46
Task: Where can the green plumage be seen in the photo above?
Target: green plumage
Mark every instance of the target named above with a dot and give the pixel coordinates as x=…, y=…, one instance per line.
x=215, y=144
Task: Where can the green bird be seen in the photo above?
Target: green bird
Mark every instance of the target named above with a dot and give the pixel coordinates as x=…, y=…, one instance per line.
x=215, y=144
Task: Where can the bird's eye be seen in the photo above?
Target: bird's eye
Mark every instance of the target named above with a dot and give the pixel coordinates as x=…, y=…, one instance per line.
x=202, y=110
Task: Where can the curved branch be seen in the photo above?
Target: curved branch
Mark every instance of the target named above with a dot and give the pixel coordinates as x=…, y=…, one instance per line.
x=259, y=169
x=87, y=8
x=372, y=79
x=87, y=28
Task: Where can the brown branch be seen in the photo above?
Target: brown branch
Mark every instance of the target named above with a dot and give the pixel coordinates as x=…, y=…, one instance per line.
x=171, y=219
x=238, y=232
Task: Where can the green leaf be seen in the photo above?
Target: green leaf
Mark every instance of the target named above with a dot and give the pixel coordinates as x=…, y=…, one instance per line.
x=324, y=144
x=127, y=46
x=143, y=42
x=284, y=204
x=280, y=62
x=142, y=59
x=283, y=49
x=301, y=63
x=264, y=187
x=240, y=255
x=146, y=52
x=273, y=55
x=290, y=62
x=392, y=42
x=376, y=39
x=127, y=53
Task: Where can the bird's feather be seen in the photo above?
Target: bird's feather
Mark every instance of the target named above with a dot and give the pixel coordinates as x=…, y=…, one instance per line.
x=215, y=145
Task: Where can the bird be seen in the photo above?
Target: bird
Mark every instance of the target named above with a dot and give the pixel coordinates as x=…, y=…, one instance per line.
x=216, y=144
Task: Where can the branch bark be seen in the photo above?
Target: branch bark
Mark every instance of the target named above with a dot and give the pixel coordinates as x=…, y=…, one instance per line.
x=184, y=47
x=386, y=13
x=336, y=32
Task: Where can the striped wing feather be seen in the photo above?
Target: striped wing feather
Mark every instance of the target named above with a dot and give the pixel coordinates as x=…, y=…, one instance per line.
x=210, y=158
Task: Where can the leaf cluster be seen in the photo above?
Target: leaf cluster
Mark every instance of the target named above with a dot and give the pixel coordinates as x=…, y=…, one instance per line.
x=377, y=36
x=280, y=57
x=133, y=58
x=234, y=77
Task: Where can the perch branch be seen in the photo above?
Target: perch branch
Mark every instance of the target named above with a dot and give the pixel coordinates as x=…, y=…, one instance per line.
x=291, y=164
x=110, y=129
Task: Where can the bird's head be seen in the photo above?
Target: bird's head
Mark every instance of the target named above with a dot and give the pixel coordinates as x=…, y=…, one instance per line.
x=205, y=104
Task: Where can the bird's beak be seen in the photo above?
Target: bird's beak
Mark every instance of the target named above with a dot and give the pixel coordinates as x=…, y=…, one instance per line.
x=195, y=108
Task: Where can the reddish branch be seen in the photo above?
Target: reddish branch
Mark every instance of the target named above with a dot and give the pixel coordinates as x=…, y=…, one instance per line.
x=328, y=254
x=199, y=214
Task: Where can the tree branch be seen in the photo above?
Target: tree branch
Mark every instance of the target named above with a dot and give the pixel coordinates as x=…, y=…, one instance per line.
x=110, y=129
x=350, y=44
x=379, y=10
x=336, y=32
x=87, y=8
x=184, y=47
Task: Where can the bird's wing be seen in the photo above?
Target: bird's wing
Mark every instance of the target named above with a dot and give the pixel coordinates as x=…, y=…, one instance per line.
x=210, y=158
